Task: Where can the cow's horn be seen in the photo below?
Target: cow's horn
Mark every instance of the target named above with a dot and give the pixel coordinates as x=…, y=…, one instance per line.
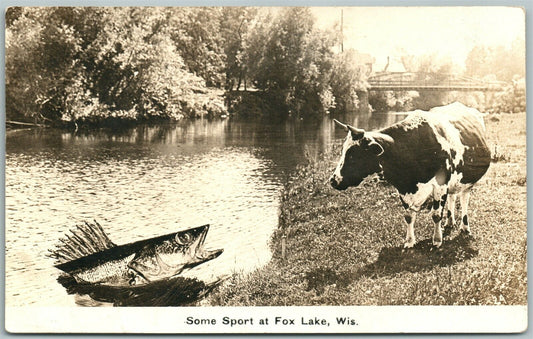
x=345, y=127
x=357, y=133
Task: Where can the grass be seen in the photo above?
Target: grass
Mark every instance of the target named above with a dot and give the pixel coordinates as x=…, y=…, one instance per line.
x=346, y=248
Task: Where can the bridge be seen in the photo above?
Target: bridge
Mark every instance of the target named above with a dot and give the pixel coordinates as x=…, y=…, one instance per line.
x=408, y=81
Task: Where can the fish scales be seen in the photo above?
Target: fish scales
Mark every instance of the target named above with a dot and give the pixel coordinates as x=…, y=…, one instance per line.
x=91, y=257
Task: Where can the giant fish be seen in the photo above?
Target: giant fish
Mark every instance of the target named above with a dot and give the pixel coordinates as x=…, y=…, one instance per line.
x=89, y=256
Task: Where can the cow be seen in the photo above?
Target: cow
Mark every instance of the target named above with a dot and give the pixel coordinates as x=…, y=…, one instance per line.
x=430, y=156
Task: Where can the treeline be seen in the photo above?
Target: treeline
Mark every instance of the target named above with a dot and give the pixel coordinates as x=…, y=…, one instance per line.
x=483, y=63
x=101, y=64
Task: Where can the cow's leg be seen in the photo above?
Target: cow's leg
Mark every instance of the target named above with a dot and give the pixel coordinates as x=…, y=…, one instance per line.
x=439, y=202
x=410, y=218
x=412, y=202
x=464, y=199
x=450, y=215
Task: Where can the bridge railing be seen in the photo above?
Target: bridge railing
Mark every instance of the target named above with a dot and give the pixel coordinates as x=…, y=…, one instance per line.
x=431, y=81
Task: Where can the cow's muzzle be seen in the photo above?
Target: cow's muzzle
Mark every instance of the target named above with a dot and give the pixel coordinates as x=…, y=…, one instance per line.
x=336, y=183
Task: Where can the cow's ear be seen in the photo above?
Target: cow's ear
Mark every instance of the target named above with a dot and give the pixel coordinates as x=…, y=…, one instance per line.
x=375, y=148
x=356, y=133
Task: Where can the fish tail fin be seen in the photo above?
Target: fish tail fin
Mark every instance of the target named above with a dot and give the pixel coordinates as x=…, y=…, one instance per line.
x=85, y=239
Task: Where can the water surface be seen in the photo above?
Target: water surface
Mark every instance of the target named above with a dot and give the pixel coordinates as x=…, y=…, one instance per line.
x=152, y=180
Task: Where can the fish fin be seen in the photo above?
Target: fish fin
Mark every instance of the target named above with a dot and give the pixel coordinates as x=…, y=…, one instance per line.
x=85, y=239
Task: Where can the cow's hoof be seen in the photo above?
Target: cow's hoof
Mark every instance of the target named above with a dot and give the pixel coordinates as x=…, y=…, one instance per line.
x=437, y=244
x=466, y=231
x=409, y=244
x=436, y=249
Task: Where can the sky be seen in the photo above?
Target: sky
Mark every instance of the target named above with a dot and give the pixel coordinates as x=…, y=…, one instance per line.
x=451, y=32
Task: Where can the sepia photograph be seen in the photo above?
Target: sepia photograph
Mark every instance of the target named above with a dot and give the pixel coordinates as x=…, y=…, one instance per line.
x=265, y=169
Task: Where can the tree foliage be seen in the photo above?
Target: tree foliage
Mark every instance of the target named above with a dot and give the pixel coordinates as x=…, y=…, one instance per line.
x=235, y=25
x=291, y=62
x=42, y=60
x=198, y=39
x=88, y=64
x=348, y=77
x=497, y=62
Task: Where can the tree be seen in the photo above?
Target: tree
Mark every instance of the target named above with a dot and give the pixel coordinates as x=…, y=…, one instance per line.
x=235, y=23
x=42, y=60
x=91, y=64
x=348, y=77
x=291, y=62
x=198, y=38
x=502, y=63
x=88, y=64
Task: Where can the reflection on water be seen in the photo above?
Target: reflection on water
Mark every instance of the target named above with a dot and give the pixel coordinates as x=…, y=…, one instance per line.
x=175, y=291
x=152, y=180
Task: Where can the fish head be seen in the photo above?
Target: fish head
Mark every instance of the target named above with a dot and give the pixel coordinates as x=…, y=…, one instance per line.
x=174, y=254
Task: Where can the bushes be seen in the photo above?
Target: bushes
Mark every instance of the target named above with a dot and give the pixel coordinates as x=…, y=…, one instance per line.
x=511, y=100
x=392, y=101
x=93, y=64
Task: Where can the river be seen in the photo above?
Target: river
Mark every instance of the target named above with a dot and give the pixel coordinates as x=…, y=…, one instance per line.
x=152, y=180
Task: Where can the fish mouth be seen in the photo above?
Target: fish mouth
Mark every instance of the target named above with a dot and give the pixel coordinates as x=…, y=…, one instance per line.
x=210, y=254
x=202, y=254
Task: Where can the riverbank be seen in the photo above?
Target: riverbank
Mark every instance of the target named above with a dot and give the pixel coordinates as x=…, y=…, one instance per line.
x=346, y=248
x=206, y=103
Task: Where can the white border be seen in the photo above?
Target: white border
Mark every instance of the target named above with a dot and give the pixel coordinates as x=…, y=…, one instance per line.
x=368, y=319
x=371, y=319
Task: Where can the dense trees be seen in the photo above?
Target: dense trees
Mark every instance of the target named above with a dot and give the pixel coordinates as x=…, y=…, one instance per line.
x=498, y=62
x=88, y=64
x=292, y=63
x=95, y=64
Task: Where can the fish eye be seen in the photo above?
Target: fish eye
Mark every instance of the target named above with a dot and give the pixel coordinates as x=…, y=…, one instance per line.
x=183, y=238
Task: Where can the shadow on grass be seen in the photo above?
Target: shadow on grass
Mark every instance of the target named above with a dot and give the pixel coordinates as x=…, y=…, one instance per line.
x=391, y=260
x=422, y=257
x=321, y=277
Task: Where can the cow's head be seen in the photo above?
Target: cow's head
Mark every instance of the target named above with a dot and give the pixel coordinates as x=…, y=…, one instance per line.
x=359, y=158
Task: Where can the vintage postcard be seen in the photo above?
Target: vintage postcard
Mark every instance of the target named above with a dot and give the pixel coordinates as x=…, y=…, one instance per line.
x=265, y=170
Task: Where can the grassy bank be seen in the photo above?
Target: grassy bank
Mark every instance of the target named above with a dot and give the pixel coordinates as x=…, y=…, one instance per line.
x=345, y=248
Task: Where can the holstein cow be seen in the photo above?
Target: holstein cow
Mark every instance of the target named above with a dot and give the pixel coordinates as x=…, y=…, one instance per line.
x=437, y=154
